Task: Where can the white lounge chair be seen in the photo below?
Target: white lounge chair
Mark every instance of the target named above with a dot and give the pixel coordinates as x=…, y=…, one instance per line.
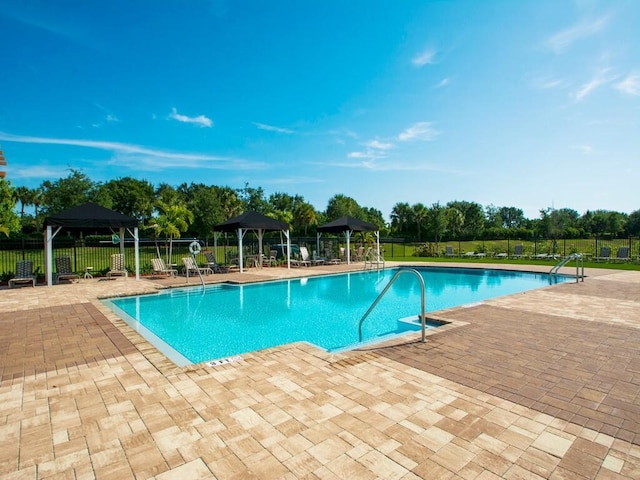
x=117, y=266
x=160, y=268
x=190, y=267
x=304, y=254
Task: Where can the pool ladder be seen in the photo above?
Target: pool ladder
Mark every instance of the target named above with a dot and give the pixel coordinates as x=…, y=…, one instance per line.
x=423, y=318
x=578, y=257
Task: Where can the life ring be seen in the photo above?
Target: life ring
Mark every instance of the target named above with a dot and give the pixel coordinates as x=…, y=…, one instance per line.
x=195, y=248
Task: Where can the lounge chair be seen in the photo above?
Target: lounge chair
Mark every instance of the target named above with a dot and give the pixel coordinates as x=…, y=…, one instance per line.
x=623, y=255
x=518, y=251
x=304, y=255
x=448, y=251
x=190, y=267
x=358, y=255
x=469, y=254
x=501, y=255
x=299, y=261
x=24, y=273
x=605, y=254
x=330, y=259
x=117, y=266
x=159, y=268
x=63, y=270
x=271, y=260
x=215, y=267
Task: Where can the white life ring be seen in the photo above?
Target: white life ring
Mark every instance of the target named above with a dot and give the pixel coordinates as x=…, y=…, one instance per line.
x=195, y=248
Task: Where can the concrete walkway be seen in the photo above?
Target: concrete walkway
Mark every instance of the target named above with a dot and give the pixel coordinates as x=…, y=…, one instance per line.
x=544, y=384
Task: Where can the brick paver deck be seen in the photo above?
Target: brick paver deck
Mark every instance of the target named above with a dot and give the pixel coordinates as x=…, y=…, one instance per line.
x=544, y=384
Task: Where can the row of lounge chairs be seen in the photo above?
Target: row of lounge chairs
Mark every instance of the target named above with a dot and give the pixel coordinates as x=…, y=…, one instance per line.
x=518, y=252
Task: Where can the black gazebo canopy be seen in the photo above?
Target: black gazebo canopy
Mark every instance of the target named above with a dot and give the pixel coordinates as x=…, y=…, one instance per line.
x=86, y=216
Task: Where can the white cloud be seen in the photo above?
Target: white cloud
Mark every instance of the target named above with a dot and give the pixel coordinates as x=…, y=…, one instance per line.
x=200, y=120
x=271, y=128
x=136, y=156
x=564, y=39
x=630, y=84
x=548, y=82
x=586, y=149
x=376, y=144
x=601, y=78
x=419, y=131
x=426, y=57
x=443, y=83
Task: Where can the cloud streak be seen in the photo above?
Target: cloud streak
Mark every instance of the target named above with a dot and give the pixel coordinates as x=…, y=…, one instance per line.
x=136, y=156
x=426, y=57
x=200, y=120
x=630, y=84
x=271, y=128
x=561, y=41
x=422, y=131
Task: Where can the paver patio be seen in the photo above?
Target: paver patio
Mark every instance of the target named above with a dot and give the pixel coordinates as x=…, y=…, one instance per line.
x=544, y=384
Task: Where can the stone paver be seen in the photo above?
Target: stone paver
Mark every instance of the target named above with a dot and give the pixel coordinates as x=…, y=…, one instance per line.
x=538, y=385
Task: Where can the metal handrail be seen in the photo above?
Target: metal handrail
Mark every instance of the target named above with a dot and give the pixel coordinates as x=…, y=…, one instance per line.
x=422, y=311
x=579, y=258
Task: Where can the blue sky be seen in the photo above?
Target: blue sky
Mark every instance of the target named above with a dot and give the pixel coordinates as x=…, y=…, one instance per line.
x=529, y=104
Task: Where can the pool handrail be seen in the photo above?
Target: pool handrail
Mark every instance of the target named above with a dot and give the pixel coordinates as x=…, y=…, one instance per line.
x=423, y=319
x=578, y=257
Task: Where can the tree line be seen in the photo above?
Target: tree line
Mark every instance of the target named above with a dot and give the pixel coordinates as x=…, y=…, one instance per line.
x=194, y=209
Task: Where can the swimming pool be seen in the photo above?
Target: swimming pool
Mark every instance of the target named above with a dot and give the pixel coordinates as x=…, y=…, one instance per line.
x=195, y=324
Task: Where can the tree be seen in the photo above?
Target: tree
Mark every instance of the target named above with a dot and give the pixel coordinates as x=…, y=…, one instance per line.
x=437, y=221
x=512, y=217
x=172, y=221
x=633, y=223
x=253, y=199
x=71, y=191
x=340, y=205
x=420, y=215
x=454, y=221
x=473, y=217
x=400, y=217
x=9, y=220
x=132, y=197
x=304, y=215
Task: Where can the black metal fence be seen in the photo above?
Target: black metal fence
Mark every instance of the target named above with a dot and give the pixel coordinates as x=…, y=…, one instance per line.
x=97, y=254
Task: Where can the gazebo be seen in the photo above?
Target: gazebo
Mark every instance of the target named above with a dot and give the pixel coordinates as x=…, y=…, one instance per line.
x=88, y=216
x=259, y=224
x=348, y=225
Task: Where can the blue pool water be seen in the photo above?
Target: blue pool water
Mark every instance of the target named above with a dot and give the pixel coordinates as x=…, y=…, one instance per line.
x=195, y=324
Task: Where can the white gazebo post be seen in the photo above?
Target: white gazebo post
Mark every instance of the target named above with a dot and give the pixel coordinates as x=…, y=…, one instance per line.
x=48, y=253
x=241, y=232
x=347, y=233
x=286, y=234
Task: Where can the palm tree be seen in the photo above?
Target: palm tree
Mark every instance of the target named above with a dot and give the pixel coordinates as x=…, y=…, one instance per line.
x=305, y=214
x=171, y=222
x=420, y=214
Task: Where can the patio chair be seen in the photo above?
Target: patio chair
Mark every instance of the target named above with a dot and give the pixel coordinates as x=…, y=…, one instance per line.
x=190, y=267
x=63, y=270
x=271, y=260
x=24, y=273
x=304, y=254
x=358, y=255
x=518, y=251
x=117, y=266
x=299, y=261
x=215, y=267
x=160, y=268
x=623, y=255
x=605, y=254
